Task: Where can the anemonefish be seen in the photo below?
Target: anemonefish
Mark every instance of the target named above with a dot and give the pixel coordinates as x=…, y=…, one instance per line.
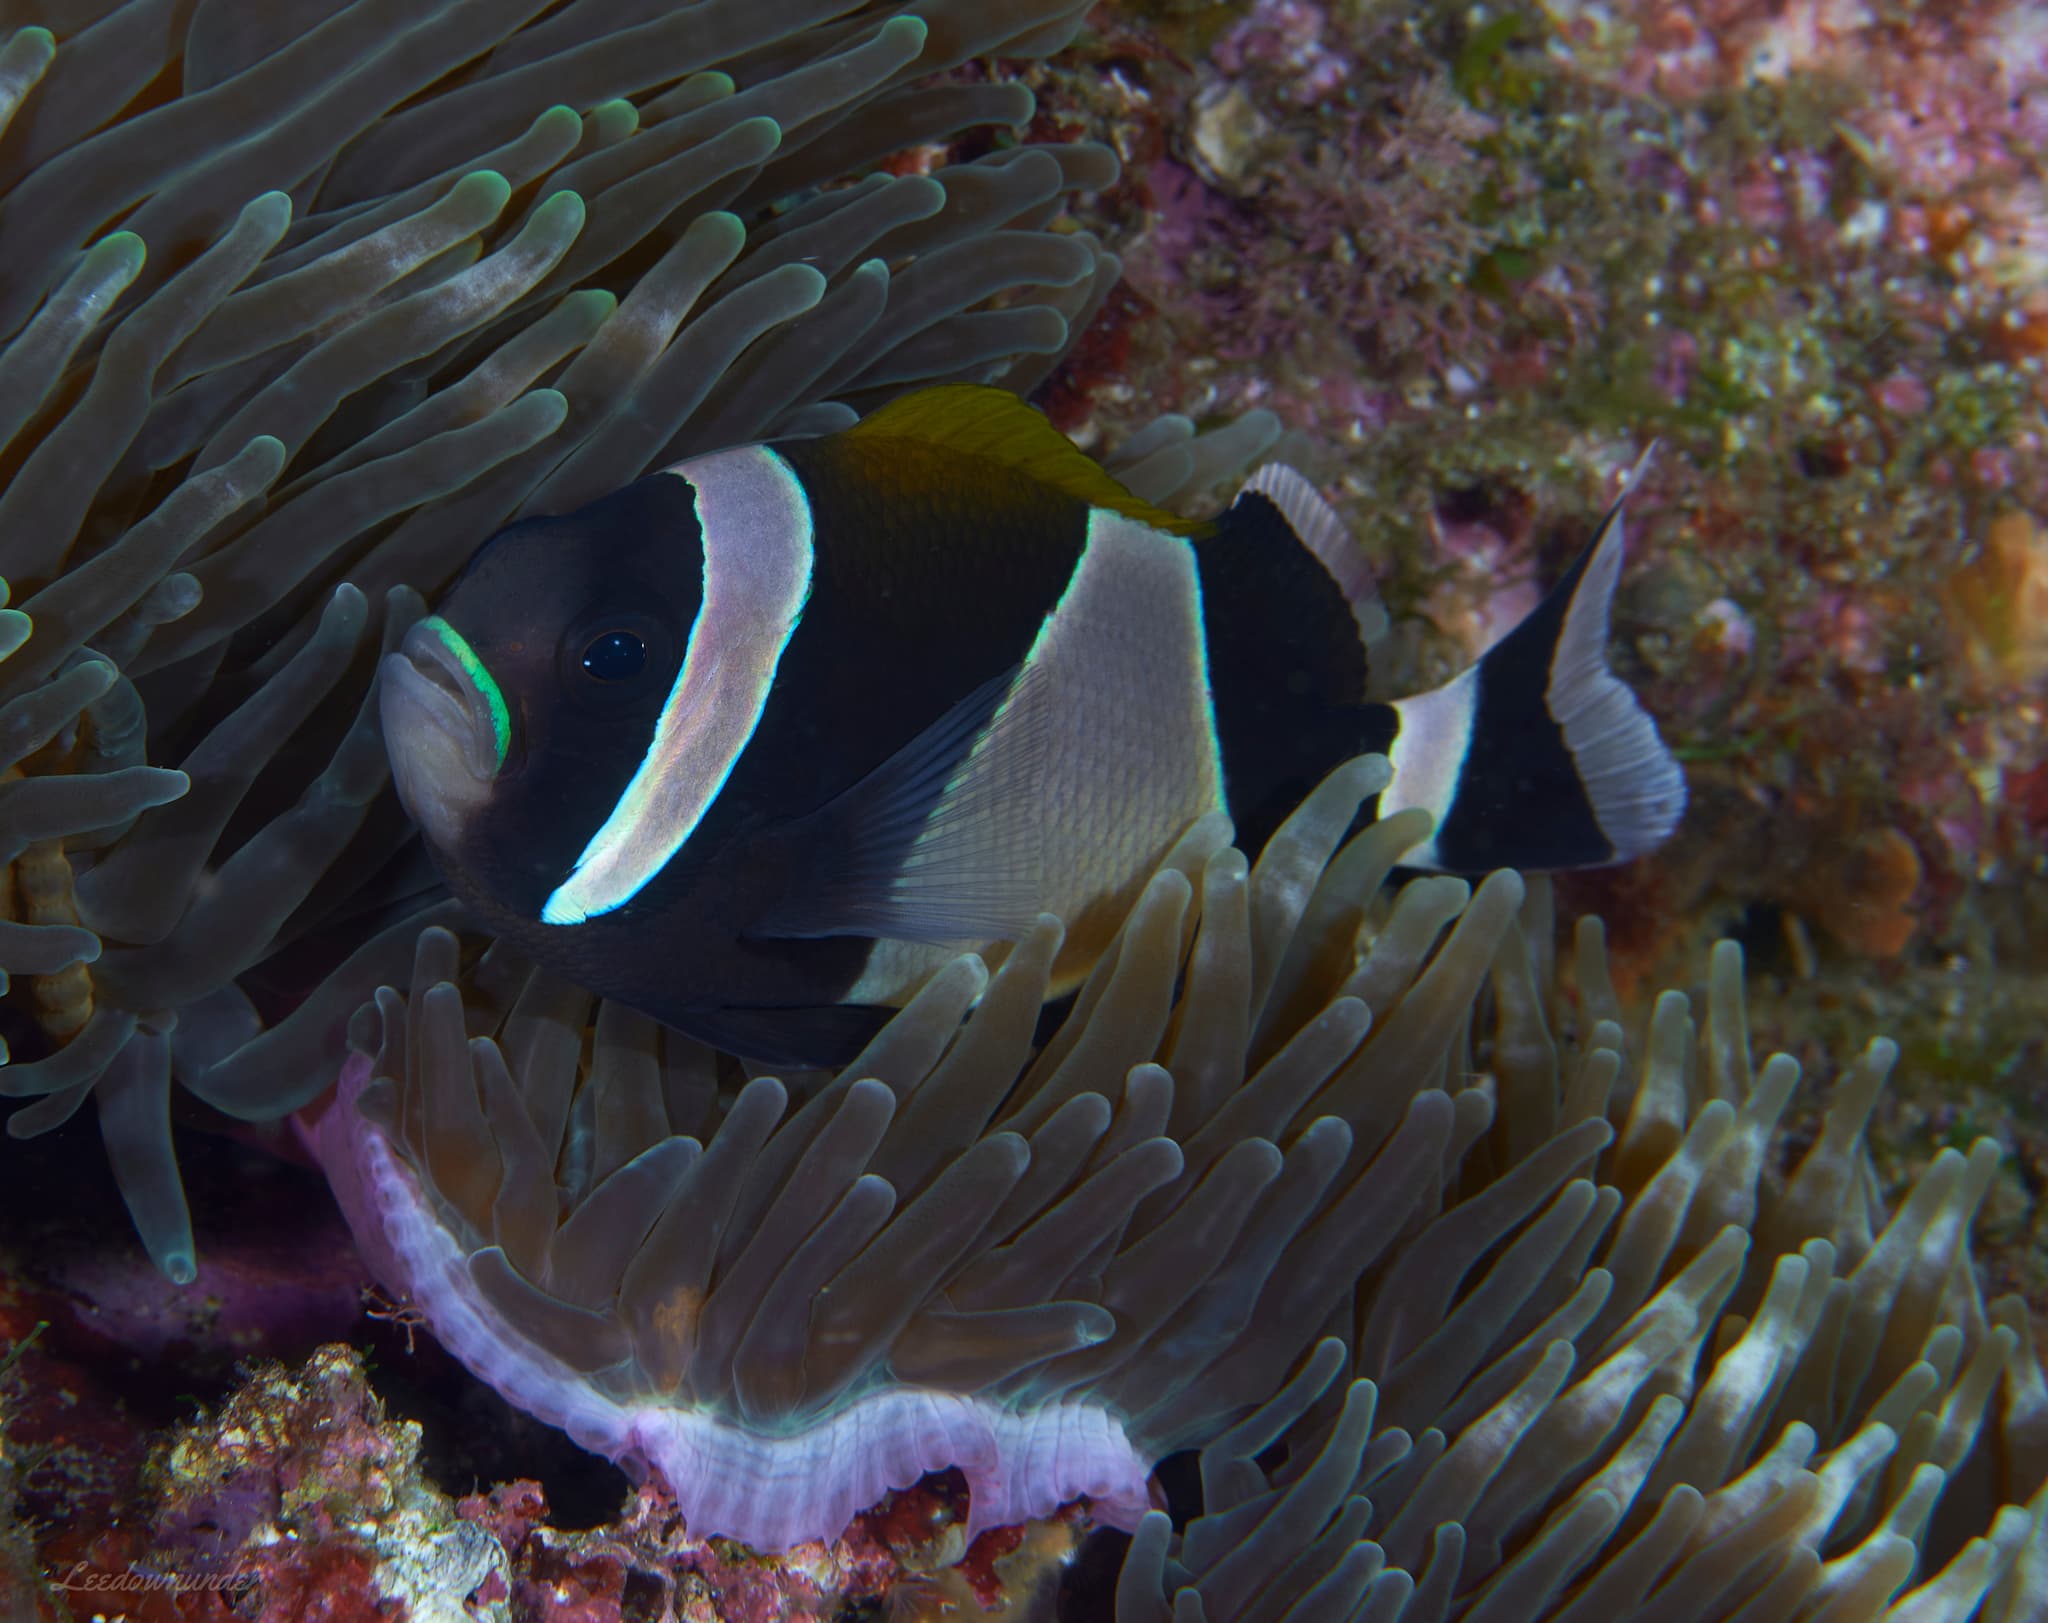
x=757, y=742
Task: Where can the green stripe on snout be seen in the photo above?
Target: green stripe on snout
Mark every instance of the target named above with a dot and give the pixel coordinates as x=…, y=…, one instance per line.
x=484, y=682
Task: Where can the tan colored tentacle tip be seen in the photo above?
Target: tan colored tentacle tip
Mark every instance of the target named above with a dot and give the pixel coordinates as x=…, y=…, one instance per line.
x=1206, y=835
x=1505, y=886
x=37, y=41
x=1373, y=773
x=971, y=971
x=273, y=209
x=1048, y=933
x=1214, y=825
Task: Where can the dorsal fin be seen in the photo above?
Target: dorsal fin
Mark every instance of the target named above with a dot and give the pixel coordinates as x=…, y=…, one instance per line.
x=980, y=421
x=1318, y=527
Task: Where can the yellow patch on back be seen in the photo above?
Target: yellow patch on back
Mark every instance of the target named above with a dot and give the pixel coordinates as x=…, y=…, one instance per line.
x=975, y=420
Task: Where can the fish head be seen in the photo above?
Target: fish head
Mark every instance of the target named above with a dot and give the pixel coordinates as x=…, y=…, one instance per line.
x=447, y=726
x=514, y=713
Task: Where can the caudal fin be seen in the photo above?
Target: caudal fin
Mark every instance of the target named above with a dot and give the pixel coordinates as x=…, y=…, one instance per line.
x=1539, y=756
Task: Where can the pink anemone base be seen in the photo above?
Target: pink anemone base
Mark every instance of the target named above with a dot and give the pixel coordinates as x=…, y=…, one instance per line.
x=768, y=1490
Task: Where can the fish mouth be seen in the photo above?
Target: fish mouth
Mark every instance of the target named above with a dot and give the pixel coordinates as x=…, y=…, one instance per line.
x=446, y=728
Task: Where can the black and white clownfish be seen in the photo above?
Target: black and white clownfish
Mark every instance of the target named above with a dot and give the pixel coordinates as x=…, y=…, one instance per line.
x=757, y=742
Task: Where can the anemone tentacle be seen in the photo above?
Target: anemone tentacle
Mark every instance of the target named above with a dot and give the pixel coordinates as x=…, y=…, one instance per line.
x=385, y=278
x=1468, y=1321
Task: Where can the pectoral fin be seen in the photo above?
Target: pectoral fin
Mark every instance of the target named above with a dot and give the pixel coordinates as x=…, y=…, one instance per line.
x=941, y=843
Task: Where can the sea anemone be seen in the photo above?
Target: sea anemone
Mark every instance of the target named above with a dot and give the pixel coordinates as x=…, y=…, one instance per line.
x=1463, y=1324
x=1813, y=1416
x=1604, y=1360
x=303, y=300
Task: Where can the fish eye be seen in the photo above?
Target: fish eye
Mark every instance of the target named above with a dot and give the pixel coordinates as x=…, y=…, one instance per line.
x=615, y=656
x=616, y=653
